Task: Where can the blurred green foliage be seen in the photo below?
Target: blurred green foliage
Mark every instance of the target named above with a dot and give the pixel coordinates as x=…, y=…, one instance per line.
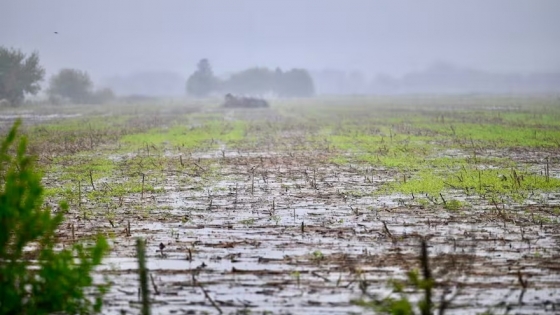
x=36, y=277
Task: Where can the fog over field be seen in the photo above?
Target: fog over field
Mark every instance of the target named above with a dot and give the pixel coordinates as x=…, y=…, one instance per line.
x=349, y=47
x=302, y=157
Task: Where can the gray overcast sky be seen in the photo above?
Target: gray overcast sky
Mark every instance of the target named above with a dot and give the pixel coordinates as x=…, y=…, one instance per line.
x=108, y=37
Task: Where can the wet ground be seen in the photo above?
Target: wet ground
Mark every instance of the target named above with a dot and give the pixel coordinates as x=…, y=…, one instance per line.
x=275, y=233
x=284, y=230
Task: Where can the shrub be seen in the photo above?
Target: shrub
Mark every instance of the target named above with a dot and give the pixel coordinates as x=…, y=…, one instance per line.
x=35, y=278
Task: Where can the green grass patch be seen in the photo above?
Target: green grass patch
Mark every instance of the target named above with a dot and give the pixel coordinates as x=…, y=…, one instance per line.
x=210, y=133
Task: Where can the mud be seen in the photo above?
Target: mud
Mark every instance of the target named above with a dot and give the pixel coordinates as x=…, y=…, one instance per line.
x=295, y=234
x=274, y=227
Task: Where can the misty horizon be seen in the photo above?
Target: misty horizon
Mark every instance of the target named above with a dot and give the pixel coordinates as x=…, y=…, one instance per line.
x=134, y=46
x=108, y=38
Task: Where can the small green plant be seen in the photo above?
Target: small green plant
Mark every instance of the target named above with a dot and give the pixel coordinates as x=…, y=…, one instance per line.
x=34, y=277
x=423, y=202
x=453, y=205
x=296, y=274
x=318, y=255
x=248, y=222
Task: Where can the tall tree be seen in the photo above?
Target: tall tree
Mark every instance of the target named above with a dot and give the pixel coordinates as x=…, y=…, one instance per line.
x=202, y=82
x=72, y=84
x=19, y=74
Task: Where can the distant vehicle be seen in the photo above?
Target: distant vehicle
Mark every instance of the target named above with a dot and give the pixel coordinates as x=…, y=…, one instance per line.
x=244, y=102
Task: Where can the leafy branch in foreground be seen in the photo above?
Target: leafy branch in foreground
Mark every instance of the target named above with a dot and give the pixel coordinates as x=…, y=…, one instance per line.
x=403, y=305
x=36, y=278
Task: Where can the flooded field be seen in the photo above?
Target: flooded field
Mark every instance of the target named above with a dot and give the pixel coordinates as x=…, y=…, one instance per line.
x=315, y=206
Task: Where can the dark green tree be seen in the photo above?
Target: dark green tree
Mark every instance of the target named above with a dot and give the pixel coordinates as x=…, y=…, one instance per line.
x=202, y=82
x=35, y=276
x=19, y=74
x=71, y=84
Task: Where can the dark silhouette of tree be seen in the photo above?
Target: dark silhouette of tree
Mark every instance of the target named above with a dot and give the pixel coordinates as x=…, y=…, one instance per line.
x=259, y=81
x=19, y=74
x=71, y=84
x=202, y=82
x=255, y=81
x=296, y=83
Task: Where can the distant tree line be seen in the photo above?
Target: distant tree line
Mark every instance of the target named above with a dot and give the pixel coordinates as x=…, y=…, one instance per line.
x=20, y=75
x=437, y=78
x=447, y=78
x=253, y=81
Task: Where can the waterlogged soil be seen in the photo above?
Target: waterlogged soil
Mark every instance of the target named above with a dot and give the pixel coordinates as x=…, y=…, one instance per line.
x=287, y=231
x=294, y=234
x=7, y=119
